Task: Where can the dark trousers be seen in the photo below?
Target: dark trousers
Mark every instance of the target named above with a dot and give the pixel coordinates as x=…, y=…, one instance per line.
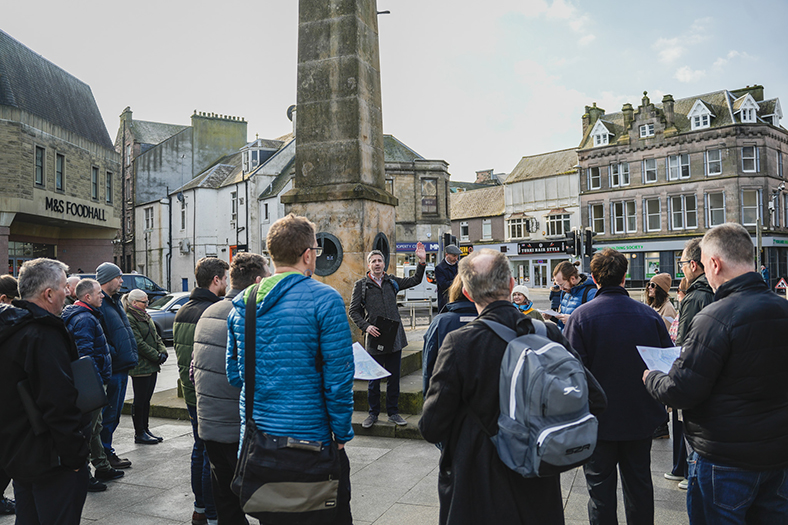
x=679, y=446
x=390, y=362
x=223, y=457
x=343, y=504
x=55, y=499
x=4, y=481
x=201, y=471
x=116, y=393
x=140, y=409
x=633, y=459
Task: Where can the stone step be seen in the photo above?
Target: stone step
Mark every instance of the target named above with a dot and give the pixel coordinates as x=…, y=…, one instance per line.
x=411, y=399
x=385, y=428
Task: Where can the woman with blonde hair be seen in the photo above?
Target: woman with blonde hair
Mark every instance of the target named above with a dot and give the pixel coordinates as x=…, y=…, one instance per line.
x=151, y=354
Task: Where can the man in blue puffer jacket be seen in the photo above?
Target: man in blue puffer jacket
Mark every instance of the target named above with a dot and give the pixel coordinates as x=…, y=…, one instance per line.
x=577, y=289
x=297, y=317
x=122, y=348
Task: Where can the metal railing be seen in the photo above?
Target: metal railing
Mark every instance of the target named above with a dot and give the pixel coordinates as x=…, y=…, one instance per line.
x=423, y=304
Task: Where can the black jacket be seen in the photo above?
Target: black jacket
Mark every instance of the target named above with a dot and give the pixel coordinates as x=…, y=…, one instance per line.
x=605, y=333
x=36, y=346
x=117, y=330
x=381, y=301
x=474, y=485
x=698, y=296
x=444, y=276
x=731, y=377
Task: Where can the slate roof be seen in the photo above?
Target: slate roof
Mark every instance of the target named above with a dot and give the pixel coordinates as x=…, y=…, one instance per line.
x=33, y=84
x=280, y=181
x=545, y=165
x=484, y=202
x=396, y=151
x=154, y=132
x=216, y=176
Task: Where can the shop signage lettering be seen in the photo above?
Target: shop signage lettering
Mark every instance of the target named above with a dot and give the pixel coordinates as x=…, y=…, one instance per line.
x=780, y=241
x=629, y=247
x=524, y=248
x=72, y=208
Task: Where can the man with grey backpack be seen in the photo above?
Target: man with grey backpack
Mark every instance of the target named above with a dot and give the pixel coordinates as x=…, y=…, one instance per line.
x=477, y=482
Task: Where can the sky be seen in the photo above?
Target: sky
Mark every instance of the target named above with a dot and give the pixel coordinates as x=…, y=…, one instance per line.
x=477, y=84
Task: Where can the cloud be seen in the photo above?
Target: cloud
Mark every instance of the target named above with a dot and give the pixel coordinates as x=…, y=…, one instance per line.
x=584, y=41
x=687, y=74
x=723, y=61
x=671, y=49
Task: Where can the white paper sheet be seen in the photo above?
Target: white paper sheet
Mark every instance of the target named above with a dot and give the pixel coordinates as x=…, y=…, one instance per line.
x=549, y=312
x=366, y=367
x=659, y=358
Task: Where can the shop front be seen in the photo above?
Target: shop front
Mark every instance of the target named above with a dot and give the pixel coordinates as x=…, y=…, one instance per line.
x=534, y=262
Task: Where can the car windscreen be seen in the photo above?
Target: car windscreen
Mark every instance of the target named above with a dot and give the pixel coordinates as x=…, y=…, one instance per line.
x=159, y=303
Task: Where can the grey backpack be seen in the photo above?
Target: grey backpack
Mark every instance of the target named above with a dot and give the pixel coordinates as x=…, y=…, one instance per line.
x=545, y=426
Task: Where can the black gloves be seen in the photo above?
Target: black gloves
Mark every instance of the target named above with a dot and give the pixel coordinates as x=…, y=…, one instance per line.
x=163, y=357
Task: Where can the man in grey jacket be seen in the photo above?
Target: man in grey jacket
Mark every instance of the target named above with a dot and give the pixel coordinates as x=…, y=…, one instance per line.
x=218, y=416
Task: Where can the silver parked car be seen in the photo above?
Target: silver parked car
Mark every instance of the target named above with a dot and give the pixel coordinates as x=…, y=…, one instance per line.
x=163, y=311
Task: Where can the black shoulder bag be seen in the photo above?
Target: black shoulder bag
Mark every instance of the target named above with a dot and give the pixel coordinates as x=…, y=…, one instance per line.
x=280, y=479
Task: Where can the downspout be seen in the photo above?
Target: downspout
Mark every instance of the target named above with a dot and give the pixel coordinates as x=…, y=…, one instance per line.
x=169, y=243
x=237, y=213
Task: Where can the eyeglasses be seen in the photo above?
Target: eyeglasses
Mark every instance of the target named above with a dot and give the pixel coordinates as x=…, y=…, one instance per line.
x=652, y=285
x=143, y=302
x=318, y=250
x=682, y=263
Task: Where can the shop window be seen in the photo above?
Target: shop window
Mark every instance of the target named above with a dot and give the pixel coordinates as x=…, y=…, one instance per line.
x=713, y=161
x=679, y=269
x=715, y=208
x=651, y=260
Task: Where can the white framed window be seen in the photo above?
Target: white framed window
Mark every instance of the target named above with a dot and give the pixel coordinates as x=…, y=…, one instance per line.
x=390, y=186
x=183, y=212
x=652, y=208
x=487, y=229
x=780, y=164
x=39, y=166
x=464, y=231
x=128, y=154
x=700, y=122
x=678, y=167
x=683, y=212
x=623, y=172
x=750, y=207
x=594, y=178
x=646, y=130
x=713, y=161
x=517, y=228
x=108, y=187
x=94, y=182
x=558, y=224
x=624, y=218
x=619, y=174
x=234, y=205
x=715, y=208
x=750, y=159
x=601, y=139
x=149, y=218
x=60, y=167
x=596, y=217
x=748, y=115
x=266, y=213
x=649, y=170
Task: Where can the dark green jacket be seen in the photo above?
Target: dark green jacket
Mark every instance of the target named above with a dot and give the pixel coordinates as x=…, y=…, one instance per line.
x=149, y=344
x=183, y=336
x=699, y=295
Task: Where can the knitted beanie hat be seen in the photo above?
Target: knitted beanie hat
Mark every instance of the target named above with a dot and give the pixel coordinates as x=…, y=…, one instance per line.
x=521, y=288
x=663, y=280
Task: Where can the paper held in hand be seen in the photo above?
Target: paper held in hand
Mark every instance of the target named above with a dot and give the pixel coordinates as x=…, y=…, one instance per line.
x=659, y=358
x=366, y=367
x=549, y=312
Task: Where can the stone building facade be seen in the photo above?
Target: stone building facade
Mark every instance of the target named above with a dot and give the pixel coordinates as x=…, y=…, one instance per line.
x=59, y=195
x=656, y=176
x=477, y=219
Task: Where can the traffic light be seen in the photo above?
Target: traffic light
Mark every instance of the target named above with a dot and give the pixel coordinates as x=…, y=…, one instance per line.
x=572, y=243
x=589, y=243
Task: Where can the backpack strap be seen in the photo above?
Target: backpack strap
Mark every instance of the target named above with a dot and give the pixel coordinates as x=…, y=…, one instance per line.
x=249, y=351
x=585, y=295
x=507, y=334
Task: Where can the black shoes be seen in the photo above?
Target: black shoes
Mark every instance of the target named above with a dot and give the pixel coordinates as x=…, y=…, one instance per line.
x=108, y=474
x=157, y=438
x=661, y=432
x=95, y=485
x=145, y=439
x=116, y=462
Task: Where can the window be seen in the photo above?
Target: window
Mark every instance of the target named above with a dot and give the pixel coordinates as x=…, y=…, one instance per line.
x=780, y=164
x=619, y=174
x=558, y=224
x=713, y=160
x=750, y=207
x=594, y=179
x=183, y=212
x=128, y=154
x=39, y=166
x=750, y=159
x=646, y=130
x=715, y=208
x=266, y=216
x=234, y=205
x=650, y=170
x=683, y=212
x=601, y=139
x=596, y=217
x=747, y=115
x=678, y=167
x=653, y=211
x=390, y=186
x=60, y=165
x=624, y=220
x=464, y=233
x=149, y=218
x=518, y=228
x=487, y=229
x=700, y=121
x=108, y=183
x=429, y=196
x=94, y=182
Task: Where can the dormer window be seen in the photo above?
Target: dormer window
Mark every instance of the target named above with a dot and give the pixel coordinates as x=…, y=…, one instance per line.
x=601, y=134
x=646, y=130
x=748, y=115
x=747, y=109
x=700, y=115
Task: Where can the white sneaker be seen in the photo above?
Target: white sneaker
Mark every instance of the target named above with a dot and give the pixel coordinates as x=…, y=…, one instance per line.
x=673, y=477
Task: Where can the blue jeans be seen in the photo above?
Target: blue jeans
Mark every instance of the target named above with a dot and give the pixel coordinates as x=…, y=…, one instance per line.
x=201, y=471
x=722, y=495
x=116, y=393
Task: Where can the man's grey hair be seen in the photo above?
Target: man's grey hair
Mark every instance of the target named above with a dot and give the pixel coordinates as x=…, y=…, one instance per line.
x=86, y=286
x=37, y=275
x=375, y=252
x=488, y=279
x=730, y=242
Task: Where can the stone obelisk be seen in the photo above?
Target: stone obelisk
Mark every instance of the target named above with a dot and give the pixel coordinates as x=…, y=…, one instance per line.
x=339, y=167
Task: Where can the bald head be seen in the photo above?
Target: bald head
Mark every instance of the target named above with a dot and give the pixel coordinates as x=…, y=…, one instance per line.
x=71, y=286
x=486, y=276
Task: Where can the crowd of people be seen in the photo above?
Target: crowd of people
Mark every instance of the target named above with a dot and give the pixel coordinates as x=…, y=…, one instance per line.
x=724, y=393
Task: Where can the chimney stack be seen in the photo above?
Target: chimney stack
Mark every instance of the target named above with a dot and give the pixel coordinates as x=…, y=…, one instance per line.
x=667, y=107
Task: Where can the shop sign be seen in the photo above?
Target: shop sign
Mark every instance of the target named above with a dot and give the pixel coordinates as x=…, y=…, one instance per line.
x=72, y=208
x=526, y=248
x=466, y=250
x=411, y=246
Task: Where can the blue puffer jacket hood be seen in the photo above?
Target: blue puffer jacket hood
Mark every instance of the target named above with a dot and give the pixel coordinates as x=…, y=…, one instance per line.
x=574, y=297
x=120, y=337
x=85, y=325
x=296, y=316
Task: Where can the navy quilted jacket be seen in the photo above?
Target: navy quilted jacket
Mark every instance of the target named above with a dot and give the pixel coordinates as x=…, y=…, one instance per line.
x=120, y=337
x=85, y=325
x=295, y=316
